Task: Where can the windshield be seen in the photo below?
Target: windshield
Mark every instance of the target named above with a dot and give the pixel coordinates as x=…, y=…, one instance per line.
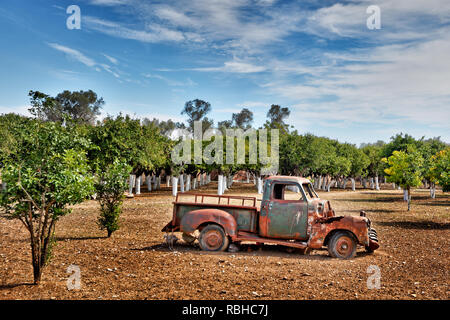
x=309, y=191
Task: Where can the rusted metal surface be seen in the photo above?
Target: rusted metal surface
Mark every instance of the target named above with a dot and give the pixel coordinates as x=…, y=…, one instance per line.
x=307, y=222
x=192, y=220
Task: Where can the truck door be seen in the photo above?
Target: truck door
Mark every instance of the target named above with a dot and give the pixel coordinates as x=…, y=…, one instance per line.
x=283, y=217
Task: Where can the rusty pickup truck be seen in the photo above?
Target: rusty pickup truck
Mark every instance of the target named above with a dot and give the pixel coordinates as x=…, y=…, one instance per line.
x=306, y=222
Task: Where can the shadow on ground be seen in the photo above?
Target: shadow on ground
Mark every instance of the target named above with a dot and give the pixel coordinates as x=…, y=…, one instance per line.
x=422, y=225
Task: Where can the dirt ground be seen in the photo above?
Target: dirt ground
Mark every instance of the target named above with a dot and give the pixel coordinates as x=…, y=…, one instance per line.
x=135, y=263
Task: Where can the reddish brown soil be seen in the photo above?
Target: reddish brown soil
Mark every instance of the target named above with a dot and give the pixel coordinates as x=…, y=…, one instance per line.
x=136, y=264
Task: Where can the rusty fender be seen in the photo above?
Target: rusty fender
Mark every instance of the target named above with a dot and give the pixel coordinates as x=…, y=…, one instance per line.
x=322, y=227
x=193, y=219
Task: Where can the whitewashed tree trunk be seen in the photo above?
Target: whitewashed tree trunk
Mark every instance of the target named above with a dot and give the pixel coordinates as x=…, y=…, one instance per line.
x=168, y=181
x=405, y=195
x=153, y=180
x=320, y=182
x=220, y=184
x=377, y=186
x=364, y=183
x=158, y=183
x=325, y=183
x=181, y=180
x=409, y=201
x=432, y=190
x=131, y=183
x=353, y=184
x=149, y=183
x=174, y=186
x=259, y=185
x=138, y=184
x=248, y=176
x=188, y=182
x=394, y=186
x=344, y=183
x=194, y=183
x=202, y=182
x=254, y=181
x=329, y=185
x=372, y=184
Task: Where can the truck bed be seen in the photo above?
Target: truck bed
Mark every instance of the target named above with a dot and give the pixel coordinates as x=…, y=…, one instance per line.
x=244, y=209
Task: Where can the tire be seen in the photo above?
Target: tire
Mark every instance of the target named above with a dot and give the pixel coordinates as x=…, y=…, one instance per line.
x=342, y=245
x=213, y=238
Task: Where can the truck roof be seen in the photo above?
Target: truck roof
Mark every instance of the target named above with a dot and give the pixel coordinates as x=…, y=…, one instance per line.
x=300, y=180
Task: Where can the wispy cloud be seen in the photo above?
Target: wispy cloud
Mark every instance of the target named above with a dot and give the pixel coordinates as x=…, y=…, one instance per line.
x=80, y=57
x=73, y=54
x=171, y=82
x=111, y=59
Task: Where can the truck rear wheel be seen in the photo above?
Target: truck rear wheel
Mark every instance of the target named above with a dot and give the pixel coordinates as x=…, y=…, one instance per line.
x=213, y=238
x=342, y=245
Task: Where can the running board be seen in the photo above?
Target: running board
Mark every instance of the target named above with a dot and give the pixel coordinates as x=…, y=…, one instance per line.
x=247, y=236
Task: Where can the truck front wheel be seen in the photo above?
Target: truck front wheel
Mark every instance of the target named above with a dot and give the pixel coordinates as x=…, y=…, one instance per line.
x=213, y=238
x=342, y=245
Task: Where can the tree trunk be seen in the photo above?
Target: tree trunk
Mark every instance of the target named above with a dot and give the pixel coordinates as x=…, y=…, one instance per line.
x=138, y=184
x=364, y=183
x=174, y=186
x=394, y=186
x=149, y=183
x=405, y=195
x=320, y=182
x=353, y=184
x=188, y=182
x=372, y=184
x=131, y=183
x=259, y=185
x=377, y=186
x=219, y=184
x=194, y=184
x=329, y=185
x=432, y=190
x=168, y=181
x=325, y=183
x=248, y=176
x=409, y=199
x=181, y=179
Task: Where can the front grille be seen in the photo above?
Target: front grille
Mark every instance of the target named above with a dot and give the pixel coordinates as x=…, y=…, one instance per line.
x=373, y=234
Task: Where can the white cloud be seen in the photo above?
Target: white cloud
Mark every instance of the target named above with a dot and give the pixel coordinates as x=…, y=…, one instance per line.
x=153, y=32
x=78, y=56
x=109, y=2
x=74, y=54
x=175, y=83
x=111, y=59
x=234, y=66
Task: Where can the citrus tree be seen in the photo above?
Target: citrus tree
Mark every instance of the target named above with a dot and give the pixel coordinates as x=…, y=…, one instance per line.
x=405, y=169
x=440, y=170
x=46, y=172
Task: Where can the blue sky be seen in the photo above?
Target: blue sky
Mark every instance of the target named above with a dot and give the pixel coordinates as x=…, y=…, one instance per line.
x=147, y=58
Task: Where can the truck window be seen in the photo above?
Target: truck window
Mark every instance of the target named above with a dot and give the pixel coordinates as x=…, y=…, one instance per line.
x=278, y=191
x=309, y=191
